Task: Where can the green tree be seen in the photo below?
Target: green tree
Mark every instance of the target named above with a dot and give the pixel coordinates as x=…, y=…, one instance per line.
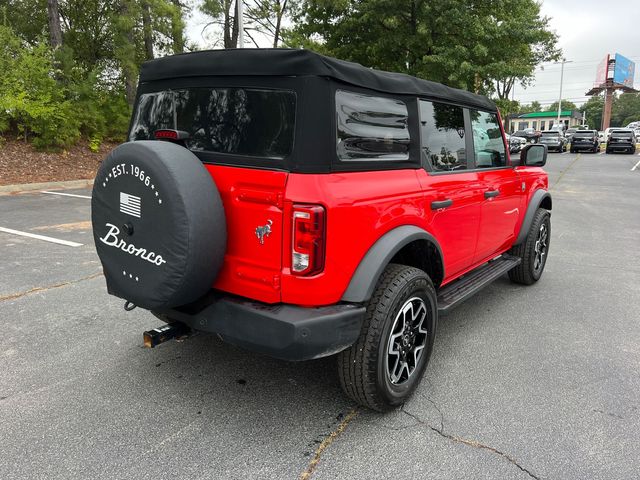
x=265, y=17
x=469, y=44
x=593, y=110
x=566, y=105
x=625, y=109
x=532, y=107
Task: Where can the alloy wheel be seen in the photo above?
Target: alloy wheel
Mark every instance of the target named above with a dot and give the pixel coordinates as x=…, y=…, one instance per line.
x=541, y=247
x=407, y=341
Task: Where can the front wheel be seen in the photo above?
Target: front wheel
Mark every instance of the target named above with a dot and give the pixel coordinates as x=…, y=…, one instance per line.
x=533, y=251
x=385, y=365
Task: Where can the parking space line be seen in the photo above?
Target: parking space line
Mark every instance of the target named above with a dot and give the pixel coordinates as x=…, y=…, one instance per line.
x=636, y=166
x=41, y=237
x=65, y=194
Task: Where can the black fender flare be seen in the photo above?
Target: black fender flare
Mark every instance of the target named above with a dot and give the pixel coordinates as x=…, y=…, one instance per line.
x=374, y=262
x=536, y=200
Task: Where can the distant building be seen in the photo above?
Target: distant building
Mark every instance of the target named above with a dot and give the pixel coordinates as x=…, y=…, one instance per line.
x=544, y=120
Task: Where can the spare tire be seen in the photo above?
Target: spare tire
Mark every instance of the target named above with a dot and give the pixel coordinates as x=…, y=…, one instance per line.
x=158, y=224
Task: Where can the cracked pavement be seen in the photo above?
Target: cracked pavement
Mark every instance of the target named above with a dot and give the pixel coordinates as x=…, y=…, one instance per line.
x=535, y=382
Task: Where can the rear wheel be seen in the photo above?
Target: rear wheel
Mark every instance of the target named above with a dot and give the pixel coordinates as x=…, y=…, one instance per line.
x=383, y=368
x=533, y=251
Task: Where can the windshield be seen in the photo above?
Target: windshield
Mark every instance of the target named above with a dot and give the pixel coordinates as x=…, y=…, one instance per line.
x=238, y=121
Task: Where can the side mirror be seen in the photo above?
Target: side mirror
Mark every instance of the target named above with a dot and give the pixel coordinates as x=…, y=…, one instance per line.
x=534, y=155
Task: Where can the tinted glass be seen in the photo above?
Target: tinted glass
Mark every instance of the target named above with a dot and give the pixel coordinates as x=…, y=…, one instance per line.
x=621, y=134
x=371, y=128
x=443, y=136
x=488, y=144
x=239, y=121
x=585, y=134
x=550, y=134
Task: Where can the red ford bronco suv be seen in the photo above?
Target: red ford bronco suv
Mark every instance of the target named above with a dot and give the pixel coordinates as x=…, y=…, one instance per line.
x=301, y=207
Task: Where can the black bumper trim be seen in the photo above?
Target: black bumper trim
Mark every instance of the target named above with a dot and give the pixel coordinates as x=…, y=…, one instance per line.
x=282, y=331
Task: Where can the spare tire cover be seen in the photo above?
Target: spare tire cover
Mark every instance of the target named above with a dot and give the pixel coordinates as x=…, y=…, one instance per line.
x=158, y=224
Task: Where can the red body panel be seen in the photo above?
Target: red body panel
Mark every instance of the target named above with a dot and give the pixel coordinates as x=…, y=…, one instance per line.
x=251, y=198
x=360, y=208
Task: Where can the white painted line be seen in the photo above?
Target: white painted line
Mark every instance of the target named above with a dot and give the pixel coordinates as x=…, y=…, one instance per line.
x=636, y=166
x=40, y=237
x=66, y=194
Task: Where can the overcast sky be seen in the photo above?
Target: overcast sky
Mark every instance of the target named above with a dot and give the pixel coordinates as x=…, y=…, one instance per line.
x=587, y=30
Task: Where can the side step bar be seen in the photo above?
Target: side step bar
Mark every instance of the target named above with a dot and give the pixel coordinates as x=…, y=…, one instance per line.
x=455, y=293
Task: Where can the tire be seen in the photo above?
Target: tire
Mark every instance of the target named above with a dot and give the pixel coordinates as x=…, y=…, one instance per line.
x=158, y=224
x=571, y=150
x=367, y=369
x=533, y=260
x=607, y=151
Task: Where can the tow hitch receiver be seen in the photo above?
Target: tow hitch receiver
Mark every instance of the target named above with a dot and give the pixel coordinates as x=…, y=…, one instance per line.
x=166, y=332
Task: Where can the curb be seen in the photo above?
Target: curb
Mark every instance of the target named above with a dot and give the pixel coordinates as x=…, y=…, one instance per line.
x=28, y=187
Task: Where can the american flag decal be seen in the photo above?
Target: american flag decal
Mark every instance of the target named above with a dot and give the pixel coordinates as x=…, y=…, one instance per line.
x=130, y=204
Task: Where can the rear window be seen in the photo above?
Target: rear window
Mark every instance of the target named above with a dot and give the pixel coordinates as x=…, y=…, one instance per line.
x=240, y=121
x=621, y=134
x=550, y=134
x=585, y=134
x=371, y=128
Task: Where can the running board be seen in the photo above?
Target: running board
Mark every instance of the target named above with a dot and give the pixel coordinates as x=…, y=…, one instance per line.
x=455, y=293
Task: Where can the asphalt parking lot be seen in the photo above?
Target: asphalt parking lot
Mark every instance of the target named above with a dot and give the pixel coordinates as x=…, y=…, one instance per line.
x=525, y=382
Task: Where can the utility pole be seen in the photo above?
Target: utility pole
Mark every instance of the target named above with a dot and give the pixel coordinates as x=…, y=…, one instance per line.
x=561, y=80
x=240, y=23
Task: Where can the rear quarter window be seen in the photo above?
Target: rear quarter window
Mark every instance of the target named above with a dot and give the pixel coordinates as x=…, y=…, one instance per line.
x=239, y=121
x=371, y=128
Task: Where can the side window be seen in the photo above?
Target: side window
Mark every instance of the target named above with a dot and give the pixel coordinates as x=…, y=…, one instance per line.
x=443, y=136
x=488, y=144
x=371, y=128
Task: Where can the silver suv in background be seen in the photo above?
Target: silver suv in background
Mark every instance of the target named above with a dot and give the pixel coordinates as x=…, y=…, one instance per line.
x=554, y=140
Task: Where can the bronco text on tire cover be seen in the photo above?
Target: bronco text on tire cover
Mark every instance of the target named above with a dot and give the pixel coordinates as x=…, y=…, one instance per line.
x=158, y=223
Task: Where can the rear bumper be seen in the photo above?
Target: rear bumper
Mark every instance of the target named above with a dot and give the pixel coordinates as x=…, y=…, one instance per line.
x=282, y=331
x=584, y=146
x=621, y=146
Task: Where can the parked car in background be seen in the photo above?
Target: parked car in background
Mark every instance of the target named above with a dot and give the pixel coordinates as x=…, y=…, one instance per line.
x=529, y=134
x=585, y=140
x=554, y=140
x=601, y=137
x=570, y=132
x=621, y=140
x=636, y=132
x=634, y=125
x=515, y=143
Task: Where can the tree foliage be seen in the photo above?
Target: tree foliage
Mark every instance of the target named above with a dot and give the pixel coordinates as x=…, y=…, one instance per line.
x=566, y=105
x=593, y=110
x=70, y=67
x=262, y=18
x=480, y=45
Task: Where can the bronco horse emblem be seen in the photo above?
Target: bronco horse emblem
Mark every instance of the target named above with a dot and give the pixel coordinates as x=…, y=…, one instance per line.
x=264, y=231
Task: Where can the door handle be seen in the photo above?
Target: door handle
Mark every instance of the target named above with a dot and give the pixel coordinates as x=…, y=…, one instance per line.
x=491, y=193
x=441, y=204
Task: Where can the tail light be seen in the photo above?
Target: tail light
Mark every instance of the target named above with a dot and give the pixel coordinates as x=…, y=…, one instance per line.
x=308, y=245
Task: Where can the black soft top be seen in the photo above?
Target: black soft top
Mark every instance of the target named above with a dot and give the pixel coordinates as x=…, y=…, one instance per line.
x=291, y=62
